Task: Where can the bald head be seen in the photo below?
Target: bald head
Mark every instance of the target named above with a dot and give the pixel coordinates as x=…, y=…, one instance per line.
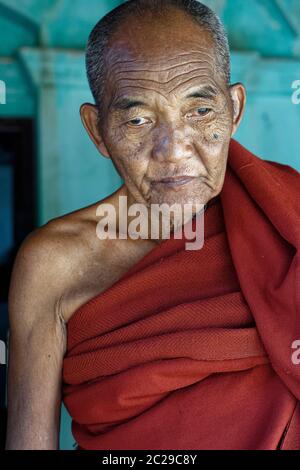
x=137, y=23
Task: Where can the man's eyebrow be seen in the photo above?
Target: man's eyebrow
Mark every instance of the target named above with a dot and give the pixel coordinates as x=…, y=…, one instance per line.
x=126, y=103
x=207, y=92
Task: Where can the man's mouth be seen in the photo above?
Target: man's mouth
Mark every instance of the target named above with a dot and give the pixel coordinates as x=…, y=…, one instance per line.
x=174, y=181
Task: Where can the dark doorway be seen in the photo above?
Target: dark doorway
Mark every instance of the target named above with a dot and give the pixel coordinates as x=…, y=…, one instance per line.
x=17, y=216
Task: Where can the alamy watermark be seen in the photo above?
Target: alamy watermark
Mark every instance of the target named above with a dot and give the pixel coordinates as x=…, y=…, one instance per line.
x=156, y=221
x=2, y=353
x=296, y=93
x=2, y=92
x=296, y=353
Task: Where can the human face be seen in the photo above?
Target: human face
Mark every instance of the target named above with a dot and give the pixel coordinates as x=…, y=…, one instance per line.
x=168, y=111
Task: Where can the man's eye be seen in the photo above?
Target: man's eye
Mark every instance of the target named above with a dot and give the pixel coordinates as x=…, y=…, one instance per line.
x=137, y=122
x=203, y=111
x=199, y=112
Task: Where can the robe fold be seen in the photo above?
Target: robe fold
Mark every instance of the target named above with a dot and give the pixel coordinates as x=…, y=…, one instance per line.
x=193, y=349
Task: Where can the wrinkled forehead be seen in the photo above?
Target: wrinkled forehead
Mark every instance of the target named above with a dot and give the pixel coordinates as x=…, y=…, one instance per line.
x=165, y=55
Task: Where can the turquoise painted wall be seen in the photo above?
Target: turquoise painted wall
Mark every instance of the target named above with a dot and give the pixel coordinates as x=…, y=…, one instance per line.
x=264, y=36
x=42, y=64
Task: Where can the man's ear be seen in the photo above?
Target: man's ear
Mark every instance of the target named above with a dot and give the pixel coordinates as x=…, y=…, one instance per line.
x=89, y=118
x=238, y=98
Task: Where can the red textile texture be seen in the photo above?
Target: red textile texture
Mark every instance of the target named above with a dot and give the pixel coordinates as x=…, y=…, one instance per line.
x=192, y=349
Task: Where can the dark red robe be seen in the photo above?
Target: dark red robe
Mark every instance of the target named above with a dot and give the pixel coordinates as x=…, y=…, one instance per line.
x=193, y=349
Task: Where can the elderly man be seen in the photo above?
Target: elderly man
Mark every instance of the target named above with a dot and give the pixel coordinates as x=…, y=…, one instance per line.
x=150, y=345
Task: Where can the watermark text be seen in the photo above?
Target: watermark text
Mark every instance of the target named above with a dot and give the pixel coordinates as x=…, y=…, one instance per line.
x=2, y=92
x=158, y=221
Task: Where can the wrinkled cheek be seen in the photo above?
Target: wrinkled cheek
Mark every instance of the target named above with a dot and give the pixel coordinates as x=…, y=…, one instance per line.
x=212, y=147
x=222, y=131
x=134, y=166
x=217, y=133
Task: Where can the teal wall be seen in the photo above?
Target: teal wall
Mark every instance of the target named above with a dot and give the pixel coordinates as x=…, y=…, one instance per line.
x=264, y=36
x=42, y=63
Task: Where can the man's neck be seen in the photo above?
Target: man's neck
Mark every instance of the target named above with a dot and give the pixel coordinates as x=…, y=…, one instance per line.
x=131, y=200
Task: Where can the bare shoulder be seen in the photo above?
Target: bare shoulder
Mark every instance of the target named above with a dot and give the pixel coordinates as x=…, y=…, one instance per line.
x=52, y=261
x=63, y=264
x=52, y=245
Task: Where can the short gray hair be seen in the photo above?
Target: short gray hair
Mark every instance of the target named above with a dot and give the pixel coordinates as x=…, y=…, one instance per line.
x=98, y=38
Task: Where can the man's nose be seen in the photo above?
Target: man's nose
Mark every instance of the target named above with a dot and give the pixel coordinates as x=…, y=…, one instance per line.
x=172, y=145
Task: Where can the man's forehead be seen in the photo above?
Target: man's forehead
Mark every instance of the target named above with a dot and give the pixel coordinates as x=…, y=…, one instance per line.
x=160, y=57
x=192, y=72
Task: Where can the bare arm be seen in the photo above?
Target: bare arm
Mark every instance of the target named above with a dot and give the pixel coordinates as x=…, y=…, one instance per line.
x=36, y=346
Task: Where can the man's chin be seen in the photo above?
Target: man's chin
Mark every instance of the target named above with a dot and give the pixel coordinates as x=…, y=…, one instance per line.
x=180, y=199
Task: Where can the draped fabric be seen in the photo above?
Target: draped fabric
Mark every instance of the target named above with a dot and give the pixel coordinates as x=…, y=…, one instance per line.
x=193, y=349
